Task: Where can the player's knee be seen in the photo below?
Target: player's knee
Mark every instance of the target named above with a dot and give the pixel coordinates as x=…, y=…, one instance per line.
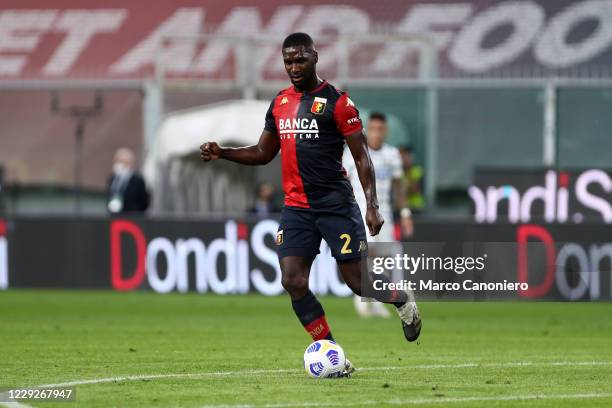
x=294, y=283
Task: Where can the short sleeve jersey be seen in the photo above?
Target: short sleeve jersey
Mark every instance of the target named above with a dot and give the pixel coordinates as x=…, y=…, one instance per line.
x=312, y=128
x=387, y=162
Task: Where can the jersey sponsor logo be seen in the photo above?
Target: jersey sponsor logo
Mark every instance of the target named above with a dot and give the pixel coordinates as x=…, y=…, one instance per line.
x=352, y=120
x=300, y=128
x=318, y=106
x=284, y=100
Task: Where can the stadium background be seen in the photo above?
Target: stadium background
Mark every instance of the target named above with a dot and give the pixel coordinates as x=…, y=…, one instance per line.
x=490, y=94
x=506, y=103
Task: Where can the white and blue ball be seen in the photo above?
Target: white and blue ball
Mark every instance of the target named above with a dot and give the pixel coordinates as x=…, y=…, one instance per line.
x=324, y=359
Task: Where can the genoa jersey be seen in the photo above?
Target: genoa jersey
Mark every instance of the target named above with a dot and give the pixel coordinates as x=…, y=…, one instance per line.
x=311, y=128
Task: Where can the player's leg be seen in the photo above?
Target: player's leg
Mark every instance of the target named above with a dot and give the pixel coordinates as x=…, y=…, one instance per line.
x=372, y=307
x=354, y=275
x=361, y=284
x=298, y=243
x=344, y=232
x=363, y=306
x=307, y=308
x=385, y=241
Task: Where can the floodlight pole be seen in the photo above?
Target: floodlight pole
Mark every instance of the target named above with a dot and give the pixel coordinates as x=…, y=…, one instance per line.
x=81, y=114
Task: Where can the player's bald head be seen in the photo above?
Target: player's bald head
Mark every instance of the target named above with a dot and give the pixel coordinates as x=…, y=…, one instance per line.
x=296, y=40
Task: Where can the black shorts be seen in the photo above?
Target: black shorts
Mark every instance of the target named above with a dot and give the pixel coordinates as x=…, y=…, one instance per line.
x=301, y=229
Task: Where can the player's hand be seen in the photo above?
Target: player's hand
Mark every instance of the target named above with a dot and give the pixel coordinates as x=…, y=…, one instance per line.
x=374, y=220
x=210, y=151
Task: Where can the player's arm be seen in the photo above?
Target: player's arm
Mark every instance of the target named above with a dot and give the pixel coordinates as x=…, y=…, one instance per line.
x=400, y=189
x=365, y=170
x=261, y=153
x=399, y=192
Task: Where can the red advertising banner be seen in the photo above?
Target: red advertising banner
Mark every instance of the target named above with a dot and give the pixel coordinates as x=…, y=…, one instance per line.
x=112, y=39
x=233, y=256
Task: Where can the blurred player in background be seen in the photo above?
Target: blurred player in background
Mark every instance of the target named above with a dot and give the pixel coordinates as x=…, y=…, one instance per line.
x=387, y=162
x=413, y=177
x=310, y=122
x=127, y=191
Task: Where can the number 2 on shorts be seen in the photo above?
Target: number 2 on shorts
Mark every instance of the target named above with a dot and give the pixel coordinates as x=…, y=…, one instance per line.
x=347, y=241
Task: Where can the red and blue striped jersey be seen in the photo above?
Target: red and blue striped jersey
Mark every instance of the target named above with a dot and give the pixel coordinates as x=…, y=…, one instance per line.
x=312, y=127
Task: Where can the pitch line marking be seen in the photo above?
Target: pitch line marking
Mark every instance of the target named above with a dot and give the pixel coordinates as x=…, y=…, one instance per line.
x=12, y=403
x=423, y=401
x=295, y=370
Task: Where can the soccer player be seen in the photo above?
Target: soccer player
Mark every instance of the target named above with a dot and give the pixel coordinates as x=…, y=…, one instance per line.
x=310, y=122
x=387, y=162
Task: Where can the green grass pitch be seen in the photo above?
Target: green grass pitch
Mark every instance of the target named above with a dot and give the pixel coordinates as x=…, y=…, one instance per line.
x=148, y=350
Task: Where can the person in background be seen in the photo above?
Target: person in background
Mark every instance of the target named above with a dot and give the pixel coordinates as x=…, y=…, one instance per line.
x=127, y=192
x=387, y=163
x=264, y=201
x=413, y=177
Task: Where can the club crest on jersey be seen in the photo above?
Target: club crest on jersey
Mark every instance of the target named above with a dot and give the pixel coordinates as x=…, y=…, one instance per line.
x=318, y=106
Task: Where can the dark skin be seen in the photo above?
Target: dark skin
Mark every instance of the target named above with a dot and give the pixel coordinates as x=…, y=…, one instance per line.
x=300, y=64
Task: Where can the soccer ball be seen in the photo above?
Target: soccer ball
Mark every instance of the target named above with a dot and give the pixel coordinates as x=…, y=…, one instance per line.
x=324, y=359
